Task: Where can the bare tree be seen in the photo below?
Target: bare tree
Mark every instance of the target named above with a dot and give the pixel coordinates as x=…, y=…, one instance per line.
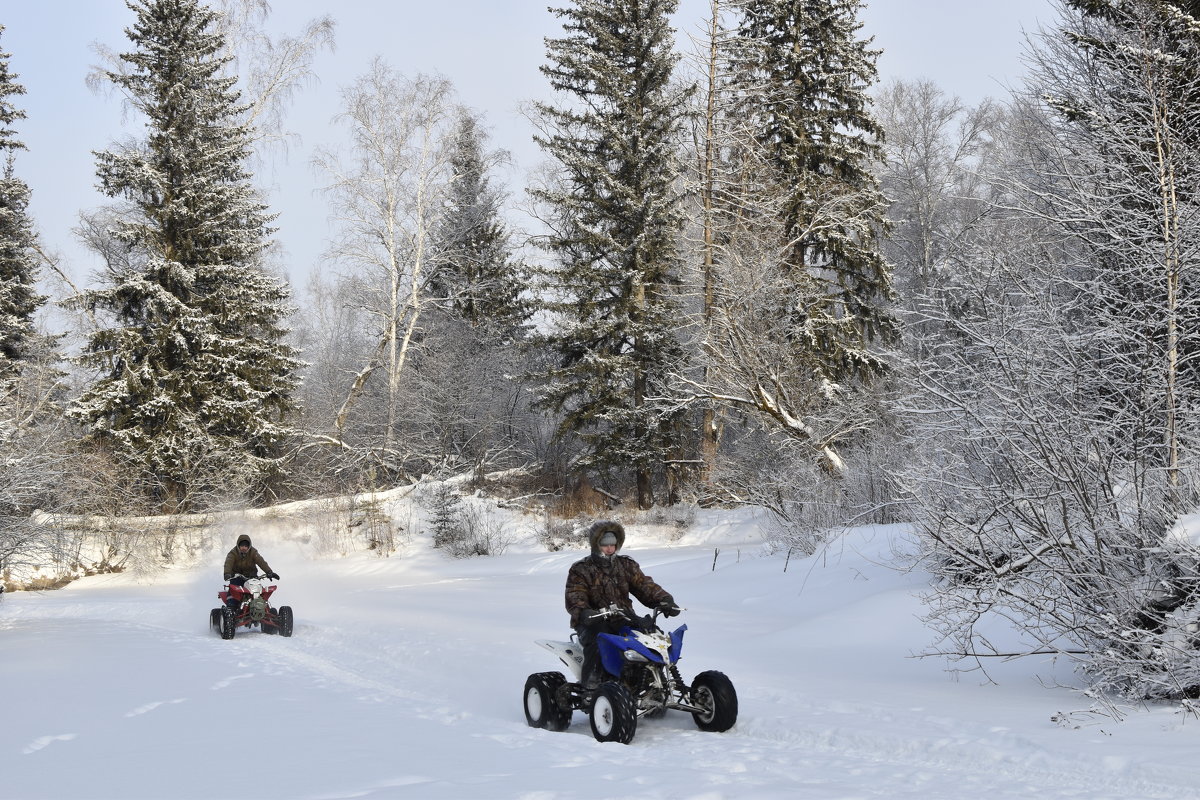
x=939, y=178
x=1065, y=404
x=387, y=193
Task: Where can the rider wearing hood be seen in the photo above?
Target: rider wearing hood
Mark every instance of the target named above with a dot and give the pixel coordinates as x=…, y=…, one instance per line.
x=603, y=579
x=244, y=560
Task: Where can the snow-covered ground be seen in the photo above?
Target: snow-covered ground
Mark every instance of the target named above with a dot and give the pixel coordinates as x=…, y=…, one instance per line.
x=404, y=680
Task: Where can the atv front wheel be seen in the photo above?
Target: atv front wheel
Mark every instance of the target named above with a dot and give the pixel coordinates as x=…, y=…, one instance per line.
x=285, y=620
x=714, y=694
x=228, y=625
x=613, y=714
x=541, y=708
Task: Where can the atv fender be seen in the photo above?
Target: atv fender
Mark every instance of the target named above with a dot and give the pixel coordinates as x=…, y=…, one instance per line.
x=569, y=653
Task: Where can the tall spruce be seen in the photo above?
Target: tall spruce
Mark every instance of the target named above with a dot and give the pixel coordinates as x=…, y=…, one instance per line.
x=801, y=77
x=476, y=277
x=196, y=379
x=615, y=222
x=19, y=300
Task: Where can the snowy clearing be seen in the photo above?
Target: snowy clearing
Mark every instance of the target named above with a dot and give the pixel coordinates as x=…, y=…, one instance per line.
x=404, y=679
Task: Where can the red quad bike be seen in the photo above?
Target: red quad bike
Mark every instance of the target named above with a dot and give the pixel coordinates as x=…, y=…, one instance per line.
x=252, y=608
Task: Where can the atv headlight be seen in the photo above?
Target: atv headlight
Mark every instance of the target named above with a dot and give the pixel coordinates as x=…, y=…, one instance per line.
x=635, y=656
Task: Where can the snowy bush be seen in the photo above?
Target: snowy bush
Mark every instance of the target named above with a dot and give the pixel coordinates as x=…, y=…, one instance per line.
x=557, y=533
x=463, y=529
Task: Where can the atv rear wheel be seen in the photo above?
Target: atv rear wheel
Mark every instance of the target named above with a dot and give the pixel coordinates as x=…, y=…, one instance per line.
x=541, y=707
x=285, y=620
x=713, y=692
x=214, y=619
x=613, y=714
x=228, y=625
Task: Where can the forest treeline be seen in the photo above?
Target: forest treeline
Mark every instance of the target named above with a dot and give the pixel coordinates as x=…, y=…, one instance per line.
x=753, y=274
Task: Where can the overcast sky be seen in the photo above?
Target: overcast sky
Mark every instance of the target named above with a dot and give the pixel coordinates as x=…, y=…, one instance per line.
x=489, y=49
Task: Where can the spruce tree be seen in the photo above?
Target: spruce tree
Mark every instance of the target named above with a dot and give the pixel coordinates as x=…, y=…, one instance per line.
x=196, y=379
x=476, y=277
x=18, y=255
x=801, y=77
x=615, y=221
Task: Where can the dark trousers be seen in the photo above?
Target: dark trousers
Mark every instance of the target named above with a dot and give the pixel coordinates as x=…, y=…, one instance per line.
x=593, y=671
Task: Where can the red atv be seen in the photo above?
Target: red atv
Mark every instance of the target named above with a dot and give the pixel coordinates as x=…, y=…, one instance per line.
x=251, y=606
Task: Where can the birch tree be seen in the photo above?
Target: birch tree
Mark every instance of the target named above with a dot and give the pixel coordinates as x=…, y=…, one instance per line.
x=387, y=193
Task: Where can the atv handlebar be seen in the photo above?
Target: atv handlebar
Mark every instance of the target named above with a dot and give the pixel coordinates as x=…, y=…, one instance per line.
x=648, y=621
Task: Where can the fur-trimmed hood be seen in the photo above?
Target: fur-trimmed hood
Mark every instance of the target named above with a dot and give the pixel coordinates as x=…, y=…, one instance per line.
x=601, y=527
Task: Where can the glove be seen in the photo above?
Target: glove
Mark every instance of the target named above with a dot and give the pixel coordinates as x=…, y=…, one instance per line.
x=668, y=608
x=273, y=576
x=588, y=616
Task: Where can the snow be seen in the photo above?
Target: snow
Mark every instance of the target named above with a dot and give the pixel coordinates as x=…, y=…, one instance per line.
x=404, y=678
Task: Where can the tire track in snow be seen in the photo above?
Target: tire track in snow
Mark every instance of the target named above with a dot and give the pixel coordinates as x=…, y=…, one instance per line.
x=986, y=764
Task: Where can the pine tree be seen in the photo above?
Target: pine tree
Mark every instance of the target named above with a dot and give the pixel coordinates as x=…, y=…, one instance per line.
x=195, y=375
x=801, y=80
x=615, y=221
x=476, y=276
x=18, y=256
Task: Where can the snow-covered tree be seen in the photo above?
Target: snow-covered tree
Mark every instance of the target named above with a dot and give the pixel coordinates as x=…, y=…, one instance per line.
x=19, y=300
x=271, y=68
x=1070, y=451
x=797, y=292
x=35, y=468
x=614, y=220
x=938, y=158
x=195, y=378
x=477, y=277
x=802, y=76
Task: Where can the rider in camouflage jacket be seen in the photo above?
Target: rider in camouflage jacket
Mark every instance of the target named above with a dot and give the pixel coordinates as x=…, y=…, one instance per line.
x=603, y=579
x=599, y=581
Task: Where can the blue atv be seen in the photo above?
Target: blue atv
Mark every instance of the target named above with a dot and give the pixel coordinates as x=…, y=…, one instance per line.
x=641, y=681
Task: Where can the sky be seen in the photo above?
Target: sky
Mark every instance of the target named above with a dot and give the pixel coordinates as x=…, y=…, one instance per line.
x=489, y=49
x=404, y=676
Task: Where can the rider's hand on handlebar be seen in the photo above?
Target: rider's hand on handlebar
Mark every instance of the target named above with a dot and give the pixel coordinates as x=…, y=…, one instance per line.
x=273, y=576
x=668, y=609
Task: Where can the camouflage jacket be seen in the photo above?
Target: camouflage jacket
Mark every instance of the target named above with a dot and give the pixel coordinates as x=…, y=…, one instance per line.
x=595, y=582
x=590, y=585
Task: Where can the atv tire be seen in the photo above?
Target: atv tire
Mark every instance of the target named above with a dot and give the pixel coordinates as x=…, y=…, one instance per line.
x=541, y=707
x=228, y=625
x=714, y=693
x=613, y=714
x=285, y=620
x=214, y=619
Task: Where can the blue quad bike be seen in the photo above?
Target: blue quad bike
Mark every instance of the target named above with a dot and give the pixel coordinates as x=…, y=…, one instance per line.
x=641, y=681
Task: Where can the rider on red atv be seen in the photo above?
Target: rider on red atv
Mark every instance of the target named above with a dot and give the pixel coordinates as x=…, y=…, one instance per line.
x=243, y=562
